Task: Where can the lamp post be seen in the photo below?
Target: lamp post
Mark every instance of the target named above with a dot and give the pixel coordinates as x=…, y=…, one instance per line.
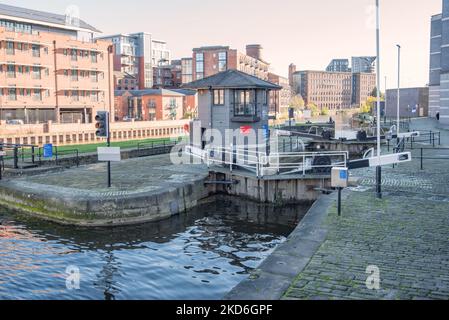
x=379, y=168
x=399, y=90
x=385, y=101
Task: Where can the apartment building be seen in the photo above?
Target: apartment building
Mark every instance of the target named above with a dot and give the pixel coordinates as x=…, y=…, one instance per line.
x=168, y=76
x=279, y=99
x=208, y=61
x=334, y=90
x=138, y=54
x=439, y=65
x=363, y=85
x=339, y=65
x=51, y=69
x=365, y=64
x=149, y=105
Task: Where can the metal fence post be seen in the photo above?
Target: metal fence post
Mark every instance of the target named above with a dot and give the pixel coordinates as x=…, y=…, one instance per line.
x=16, y=157
x=422, y=164
x=32, y=154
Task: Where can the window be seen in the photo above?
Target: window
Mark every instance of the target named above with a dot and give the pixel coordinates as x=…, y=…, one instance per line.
x=20, y=46
x=93, y=57
x=222, y=61
x=11, y=70
x=74, y=75
x=36, y=73
x=36, y=50
x=93, y=76
x=9, y=47
x=37, y=95
x=219, y=97
x=200, y=65
x=73, y=55
x=94, y=96
x=244, y=103
x=75, y=96
x=12, y=94
x=66, y=72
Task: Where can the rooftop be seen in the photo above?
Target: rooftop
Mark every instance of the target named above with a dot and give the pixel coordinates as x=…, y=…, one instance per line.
x=42, y=18
x=232, y=79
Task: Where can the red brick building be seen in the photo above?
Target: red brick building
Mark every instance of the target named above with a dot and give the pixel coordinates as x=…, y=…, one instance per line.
x=153, y=104
x=279, y=99
x=208, y=61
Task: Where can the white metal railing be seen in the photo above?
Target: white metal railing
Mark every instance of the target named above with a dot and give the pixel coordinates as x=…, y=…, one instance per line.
x=277, y=163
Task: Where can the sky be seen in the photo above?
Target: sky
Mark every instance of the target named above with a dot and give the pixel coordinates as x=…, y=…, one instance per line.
x=309, y=33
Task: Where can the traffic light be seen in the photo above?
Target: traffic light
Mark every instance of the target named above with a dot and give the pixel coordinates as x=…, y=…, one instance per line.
x=102, y=124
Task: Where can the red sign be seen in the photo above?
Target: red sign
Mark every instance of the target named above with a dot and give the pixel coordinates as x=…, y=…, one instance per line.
x=186, y=128
x=245, y=130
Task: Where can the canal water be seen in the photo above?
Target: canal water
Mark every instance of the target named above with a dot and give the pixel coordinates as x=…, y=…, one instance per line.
x=199, y=255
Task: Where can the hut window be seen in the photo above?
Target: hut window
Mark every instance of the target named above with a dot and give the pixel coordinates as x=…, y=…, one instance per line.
x=219, y=97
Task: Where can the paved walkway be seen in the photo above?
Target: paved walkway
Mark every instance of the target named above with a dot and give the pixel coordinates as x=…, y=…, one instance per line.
x=405, y=235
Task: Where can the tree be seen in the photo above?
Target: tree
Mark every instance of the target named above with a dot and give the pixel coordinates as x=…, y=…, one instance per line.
x=314, y=108
x=297, y=103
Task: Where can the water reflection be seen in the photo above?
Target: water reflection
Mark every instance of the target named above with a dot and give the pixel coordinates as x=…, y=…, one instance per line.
x=198, y=255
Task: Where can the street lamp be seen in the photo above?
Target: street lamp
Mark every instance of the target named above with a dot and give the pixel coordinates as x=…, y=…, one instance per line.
x=379, y=168
x=399, y=89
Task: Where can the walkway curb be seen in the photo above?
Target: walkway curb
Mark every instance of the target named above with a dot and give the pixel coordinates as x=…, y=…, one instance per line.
x=275, y=275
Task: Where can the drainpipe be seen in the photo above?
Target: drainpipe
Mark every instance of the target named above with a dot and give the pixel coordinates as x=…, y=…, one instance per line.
x=57, y=118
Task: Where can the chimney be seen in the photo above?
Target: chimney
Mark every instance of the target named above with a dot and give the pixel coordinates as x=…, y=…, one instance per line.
x=291, y=71
x=254, y=50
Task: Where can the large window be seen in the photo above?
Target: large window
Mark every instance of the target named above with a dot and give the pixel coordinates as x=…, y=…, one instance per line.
x=73, y=55
x=36, y=73
x=9, y=47
x=222, y=61
x=200, y=65
x=219, y=97
x=244, y=103
x=12, y=96
x=36, y=50
x=11, y=71
x=93, y=57
x=37, y=95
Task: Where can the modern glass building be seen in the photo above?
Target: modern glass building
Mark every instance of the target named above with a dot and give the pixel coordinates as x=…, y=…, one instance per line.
x=439, y=65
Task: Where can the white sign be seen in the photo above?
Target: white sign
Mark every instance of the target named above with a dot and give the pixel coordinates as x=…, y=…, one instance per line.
x=2, y=153
x=109, y=154
x=339, y=177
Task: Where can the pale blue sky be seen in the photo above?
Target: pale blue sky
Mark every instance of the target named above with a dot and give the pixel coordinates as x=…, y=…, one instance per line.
x=307, y=32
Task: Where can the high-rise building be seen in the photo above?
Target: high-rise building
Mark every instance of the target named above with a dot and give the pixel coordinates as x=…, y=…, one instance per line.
x=51, y=68
x=137, y=54
x=439, y=65
x=338, y=65
x=363, y=64
x=208, y=61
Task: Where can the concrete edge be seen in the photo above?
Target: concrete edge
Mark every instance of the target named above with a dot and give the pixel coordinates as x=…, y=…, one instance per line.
x=275, y=275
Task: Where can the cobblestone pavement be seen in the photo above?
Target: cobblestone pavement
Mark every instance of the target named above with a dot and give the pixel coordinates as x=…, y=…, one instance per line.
x=405, y=235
